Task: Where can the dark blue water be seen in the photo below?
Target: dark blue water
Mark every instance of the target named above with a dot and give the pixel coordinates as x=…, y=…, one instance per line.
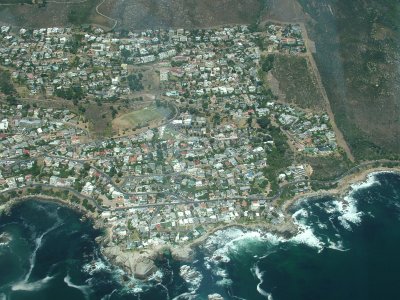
x=344, y=250
x=359, y=258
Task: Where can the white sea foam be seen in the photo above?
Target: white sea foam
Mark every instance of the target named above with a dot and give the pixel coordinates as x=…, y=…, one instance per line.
x=306, y=234
x=336, y=246
x=225, y=282
x=3, y=296
x=38, y=244
x=273, y=239
x=31, y=286
x=371, y=180
x=234, y=239
x=85, y=289
x=137, y=290
x=24, y=285
x=220, y=272
x=259, y=275
x=207, y=265
x=95, y=266
x=349, y=213
x=157, y=276
x=7, y=238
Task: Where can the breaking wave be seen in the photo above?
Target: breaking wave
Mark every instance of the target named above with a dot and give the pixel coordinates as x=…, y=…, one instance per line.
x=96, y=266
x=315, y=221
x=305, y=232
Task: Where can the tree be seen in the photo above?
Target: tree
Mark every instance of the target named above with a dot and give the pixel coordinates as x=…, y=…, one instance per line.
x=11, y=100
x=125, y=53
x=6, y=85
x=253, y=27
x=74, y=92
x=250, y=120
x=217, y=119
x=135, y=82
x=267, y=63
x=86, y=166
x=264, y=122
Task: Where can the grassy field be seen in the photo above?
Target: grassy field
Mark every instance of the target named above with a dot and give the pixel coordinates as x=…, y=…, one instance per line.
x=297, y=81
x=141, y=118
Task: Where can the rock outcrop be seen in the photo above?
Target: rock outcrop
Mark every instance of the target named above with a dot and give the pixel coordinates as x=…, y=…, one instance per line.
x=140, y=265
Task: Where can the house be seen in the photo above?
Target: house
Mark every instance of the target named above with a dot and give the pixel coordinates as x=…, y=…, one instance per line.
x=4, y=124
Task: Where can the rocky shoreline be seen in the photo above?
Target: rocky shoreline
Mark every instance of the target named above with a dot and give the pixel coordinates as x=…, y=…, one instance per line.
x=141, y=263
x=185, y=252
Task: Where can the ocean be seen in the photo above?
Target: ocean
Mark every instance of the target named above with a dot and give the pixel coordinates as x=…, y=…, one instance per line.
x=344, y=250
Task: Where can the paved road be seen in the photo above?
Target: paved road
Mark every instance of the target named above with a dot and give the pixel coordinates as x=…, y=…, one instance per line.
x=180, y=200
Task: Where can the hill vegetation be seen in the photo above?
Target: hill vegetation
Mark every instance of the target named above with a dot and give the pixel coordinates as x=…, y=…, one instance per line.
x=297, y=82
x=358, y=54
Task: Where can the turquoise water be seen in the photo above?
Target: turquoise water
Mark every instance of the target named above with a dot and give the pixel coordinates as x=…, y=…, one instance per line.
x=342, y=251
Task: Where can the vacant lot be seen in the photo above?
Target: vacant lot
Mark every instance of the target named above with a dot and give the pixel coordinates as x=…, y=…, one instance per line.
x=141, y=118
x=297, y=81
x=99, y=118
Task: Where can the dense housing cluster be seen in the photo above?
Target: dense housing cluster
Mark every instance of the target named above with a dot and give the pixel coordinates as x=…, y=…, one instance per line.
x=222, y=158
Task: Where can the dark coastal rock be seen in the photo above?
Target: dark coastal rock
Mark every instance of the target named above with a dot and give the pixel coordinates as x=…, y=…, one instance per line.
x=5, y=238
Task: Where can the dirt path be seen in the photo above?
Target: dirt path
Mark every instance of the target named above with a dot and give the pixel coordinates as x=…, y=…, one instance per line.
x=103, y=15
x=339, y=135
x=310, y=45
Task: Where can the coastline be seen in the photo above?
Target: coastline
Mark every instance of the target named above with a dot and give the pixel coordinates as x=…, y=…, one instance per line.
x=141, y=263
x=8, y=206
x=343, y=188
x=288, y=228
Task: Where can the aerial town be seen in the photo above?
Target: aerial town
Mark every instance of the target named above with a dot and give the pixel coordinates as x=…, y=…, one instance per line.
x=212, y=145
